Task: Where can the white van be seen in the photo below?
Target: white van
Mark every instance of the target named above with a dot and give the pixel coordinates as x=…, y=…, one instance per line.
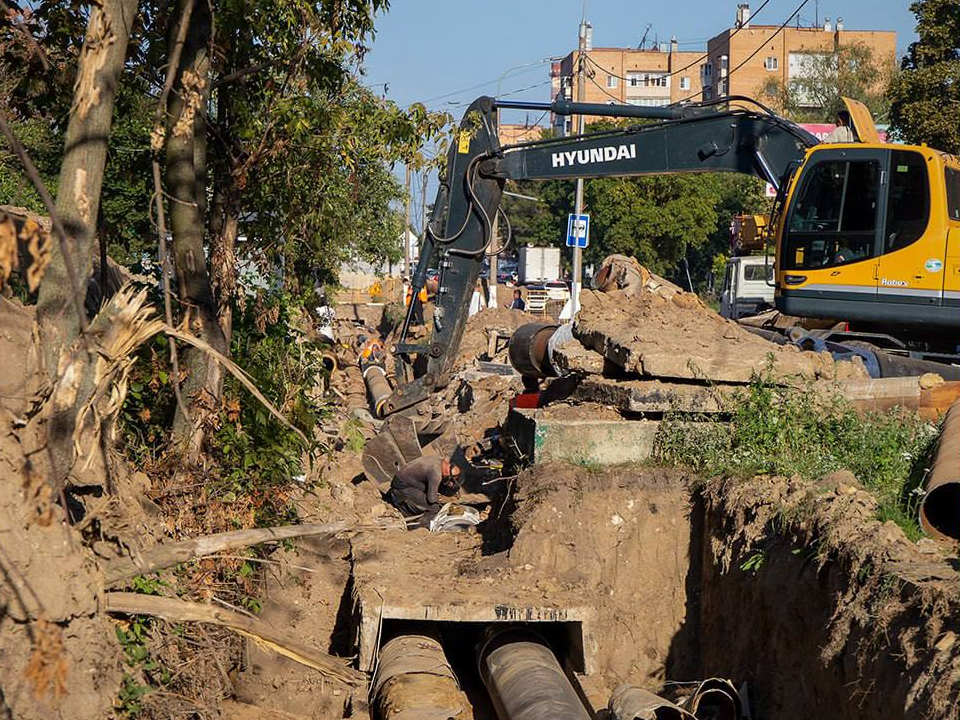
x=747, y=286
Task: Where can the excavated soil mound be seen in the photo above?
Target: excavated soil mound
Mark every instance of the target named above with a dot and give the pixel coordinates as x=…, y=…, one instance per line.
x=798, y=592
x=479, y=326
x=678, y=337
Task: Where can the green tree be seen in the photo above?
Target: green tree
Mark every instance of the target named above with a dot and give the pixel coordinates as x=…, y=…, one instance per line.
x=926, y=93
x=853, y=71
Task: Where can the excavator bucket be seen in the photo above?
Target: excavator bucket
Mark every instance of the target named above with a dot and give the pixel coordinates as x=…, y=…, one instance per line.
x=862, y=120
x=401, y=440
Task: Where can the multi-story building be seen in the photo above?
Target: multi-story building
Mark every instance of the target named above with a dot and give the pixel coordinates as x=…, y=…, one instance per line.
x=655, y=77
x=738, y=61
x=741, y=60
x=513, y=133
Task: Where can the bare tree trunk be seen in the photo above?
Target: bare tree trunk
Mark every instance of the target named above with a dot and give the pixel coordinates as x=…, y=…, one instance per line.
x=186, y=112
x=78, y=201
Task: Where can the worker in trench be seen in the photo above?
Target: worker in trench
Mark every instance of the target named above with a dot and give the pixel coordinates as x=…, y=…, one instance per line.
x=422, y=486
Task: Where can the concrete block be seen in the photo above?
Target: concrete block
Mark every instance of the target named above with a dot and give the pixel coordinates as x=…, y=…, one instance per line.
x=537, y=437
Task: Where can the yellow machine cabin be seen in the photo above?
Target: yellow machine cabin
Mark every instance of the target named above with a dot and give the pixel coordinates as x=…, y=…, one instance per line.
x=870, y=234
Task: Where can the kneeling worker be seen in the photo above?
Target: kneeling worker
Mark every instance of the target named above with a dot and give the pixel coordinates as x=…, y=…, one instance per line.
x=417, y=486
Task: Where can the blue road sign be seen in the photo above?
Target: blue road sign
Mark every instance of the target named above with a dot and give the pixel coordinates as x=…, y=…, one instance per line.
x=578, y=230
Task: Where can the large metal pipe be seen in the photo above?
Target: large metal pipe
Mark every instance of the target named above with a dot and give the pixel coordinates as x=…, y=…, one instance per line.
x=375, y=378
x=532, y=347
x=940, y=508
x=629, y=702
x=524, y=679
x=715, y=699
x=414, y=680
x=527, y=349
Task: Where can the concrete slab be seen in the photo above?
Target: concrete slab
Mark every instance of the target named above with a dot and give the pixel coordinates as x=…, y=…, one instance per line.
x=655, y=396
x=427, y=577
x=540, y=436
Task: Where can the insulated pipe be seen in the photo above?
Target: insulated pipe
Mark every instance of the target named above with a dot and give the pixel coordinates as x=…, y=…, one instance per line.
x=528, y=349
x=524, y=679
x=375, y=378
x=940, y=508
x=717, y=699
x=629, y=702
x=414, y=680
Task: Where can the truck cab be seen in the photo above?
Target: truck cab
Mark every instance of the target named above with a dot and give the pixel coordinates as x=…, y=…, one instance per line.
x=747, y=287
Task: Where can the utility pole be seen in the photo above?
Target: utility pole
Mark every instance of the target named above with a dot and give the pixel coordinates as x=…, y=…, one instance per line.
x=423, y=205
x=578, y=203
x=406, y=229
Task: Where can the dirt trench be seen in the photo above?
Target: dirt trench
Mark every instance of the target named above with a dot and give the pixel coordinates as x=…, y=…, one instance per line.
x=819, y=609
x=790, y=590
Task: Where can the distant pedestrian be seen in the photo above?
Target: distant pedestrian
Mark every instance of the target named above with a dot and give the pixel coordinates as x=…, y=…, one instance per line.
x=478, y=302
x=518, y=303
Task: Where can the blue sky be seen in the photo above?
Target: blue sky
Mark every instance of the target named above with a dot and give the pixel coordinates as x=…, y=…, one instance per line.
x=438, y=51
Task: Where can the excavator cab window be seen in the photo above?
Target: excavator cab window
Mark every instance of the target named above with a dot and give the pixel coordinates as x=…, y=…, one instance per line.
x=908, y=204
x=834, y=220
x=953, y=193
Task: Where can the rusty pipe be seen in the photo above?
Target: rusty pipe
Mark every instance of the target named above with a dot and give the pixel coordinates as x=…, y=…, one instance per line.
x=329, y=361
x=524, y=679
x=378, y=387
x=532, y=346
x=629, y=702
x=527, y=349
x=414, y=680
x=940, y=507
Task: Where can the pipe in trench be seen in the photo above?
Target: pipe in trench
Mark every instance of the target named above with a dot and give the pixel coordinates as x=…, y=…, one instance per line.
x=414, y=680
x=375, y=378
x=713, y=699
x=940, y=507
x=524, y=679
x=629, y=702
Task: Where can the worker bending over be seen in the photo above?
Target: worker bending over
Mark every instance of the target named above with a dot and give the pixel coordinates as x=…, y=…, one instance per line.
x=418, y=485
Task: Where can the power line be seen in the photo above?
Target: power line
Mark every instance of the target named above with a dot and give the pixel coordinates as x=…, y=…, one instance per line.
x=685, y=67
x=760, y=47
x=483, y=84
x=454, y=106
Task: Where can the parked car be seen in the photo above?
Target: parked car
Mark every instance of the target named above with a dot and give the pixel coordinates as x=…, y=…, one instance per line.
x=557, y=290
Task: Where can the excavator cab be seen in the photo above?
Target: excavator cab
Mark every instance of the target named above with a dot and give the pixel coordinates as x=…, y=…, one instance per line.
x=866, y=236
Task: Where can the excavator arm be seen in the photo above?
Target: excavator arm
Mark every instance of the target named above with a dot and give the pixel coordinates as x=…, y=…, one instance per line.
x=690, y=138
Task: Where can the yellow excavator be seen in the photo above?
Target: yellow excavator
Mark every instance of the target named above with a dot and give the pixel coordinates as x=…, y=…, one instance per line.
x=866, y=233
x=869, y=233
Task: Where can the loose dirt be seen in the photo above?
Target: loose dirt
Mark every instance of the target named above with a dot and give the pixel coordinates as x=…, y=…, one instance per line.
x=678, y=337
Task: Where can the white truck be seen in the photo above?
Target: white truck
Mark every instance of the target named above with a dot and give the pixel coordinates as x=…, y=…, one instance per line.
x=747, y=286
x=538, y=264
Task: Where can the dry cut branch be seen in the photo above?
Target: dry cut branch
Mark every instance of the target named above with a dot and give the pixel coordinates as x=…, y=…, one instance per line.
x=174, y=610
x=164, y=556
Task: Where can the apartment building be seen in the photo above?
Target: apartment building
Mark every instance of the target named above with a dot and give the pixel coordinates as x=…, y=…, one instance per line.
x=742, y=59
x=652, y=77
x=513, y=133
x=738, y=61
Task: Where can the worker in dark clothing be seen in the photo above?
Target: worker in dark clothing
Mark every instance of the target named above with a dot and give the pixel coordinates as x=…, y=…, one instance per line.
x=518, y=303
x=417, y=486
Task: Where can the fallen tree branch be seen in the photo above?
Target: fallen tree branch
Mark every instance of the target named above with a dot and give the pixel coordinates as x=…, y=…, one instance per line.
x=334, y=668
x=164, y=556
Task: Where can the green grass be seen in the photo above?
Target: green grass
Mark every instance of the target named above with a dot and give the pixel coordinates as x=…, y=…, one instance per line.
x=796, y=431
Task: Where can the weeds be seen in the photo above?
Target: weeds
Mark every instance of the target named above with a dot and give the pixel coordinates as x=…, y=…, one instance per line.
x=798, y=431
